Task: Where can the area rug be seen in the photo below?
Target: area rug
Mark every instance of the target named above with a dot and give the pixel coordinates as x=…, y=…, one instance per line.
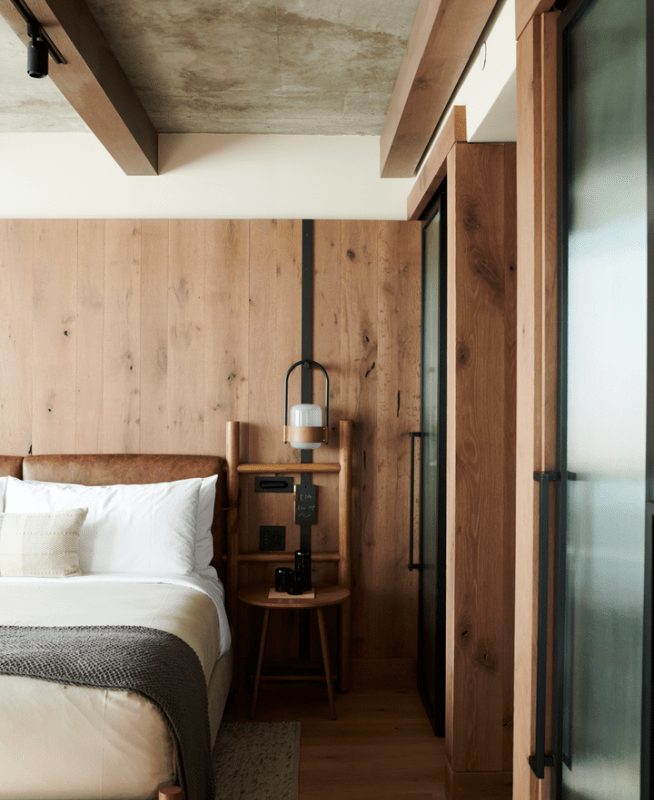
x=257, y=760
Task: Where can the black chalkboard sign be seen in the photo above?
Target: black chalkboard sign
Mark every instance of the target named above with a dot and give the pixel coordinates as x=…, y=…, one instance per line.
x=306, y=500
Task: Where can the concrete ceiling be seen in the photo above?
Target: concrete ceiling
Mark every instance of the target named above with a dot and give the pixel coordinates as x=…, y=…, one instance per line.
x=233, y=66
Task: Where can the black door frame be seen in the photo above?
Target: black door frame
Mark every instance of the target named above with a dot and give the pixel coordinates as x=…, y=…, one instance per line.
x=436, y=712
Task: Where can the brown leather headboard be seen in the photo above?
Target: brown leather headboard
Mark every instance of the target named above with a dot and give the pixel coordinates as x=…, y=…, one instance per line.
x=11, y=466
x=104, y=469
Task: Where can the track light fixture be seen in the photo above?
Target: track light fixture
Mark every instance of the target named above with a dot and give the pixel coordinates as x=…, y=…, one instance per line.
x=37, y=52
x=40, y=44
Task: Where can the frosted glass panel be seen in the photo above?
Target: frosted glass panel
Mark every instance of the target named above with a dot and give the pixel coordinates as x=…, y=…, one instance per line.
x=431, y=576
x=606, y=395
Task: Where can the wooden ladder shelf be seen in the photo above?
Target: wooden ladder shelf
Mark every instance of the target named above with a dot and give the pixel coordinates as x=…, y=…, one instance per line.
x=343, y=468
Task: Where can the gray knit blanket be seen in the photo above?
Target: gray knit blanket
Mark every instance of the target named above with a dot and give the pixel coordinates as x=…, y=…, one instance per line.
x=157, y=665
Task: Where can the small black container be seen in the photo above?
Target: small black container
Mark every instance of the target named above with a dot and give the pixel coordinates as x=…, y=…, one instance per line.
x=284, y=577
x=303, y=569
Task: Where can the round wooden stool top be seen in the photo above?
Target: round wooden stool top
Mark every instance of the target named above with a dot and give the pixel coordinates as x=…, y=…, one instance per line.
x=329, y=595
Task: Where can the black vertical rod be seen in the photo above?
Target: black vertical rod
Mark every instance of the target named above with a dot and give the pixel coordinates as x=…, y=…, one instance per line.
x=306, y=395
x=412, y=480
x=539, y=761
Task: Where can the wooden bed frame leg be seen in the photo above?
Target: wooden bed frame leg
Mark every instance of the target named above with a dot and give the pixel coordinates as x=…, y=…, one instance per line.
x=171, y=791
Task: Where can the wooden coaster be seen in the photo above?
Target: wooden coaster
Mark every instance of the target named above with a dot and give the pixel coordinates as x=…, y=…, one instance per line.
x=309, y=594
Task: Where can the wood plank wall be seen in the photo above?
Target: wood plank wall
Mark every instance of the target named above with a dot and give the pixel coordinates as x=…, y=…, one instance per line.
x=148, y=335
x=481, y=408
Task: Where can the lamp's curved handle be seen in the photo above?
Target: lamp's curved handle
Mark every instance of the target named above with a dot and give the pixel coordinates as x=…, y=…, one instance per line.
x=324, y=372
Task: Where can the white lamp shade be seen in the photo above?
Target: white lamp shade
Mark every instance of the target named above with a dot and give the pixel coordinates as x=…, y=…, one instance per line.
x=306, y=415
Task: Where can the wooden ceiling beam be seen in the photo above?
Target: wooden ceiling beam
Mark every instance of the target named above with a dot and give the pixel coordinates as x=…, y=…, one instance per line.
x=93, y=81
x=442, y=39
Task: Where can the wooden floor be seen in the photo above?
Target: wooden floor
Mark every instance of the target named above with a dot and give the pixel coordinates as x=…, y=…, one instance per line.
x=381, y=747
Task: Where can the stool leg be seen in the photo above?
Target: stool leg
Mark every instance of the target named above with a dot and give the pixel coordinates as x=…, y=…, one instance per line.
x=262, y=647
x=325, y=658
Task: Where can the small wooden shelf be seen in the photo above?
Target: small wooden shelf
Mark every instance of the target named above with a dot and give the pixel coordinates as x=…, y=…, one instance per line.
x=283, y=557
x=328, y=595
x=296, y=469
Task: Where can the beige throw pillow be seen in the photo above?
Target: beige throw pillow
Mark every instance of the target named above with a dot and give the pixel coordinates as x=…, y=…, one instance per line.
x=41, y=545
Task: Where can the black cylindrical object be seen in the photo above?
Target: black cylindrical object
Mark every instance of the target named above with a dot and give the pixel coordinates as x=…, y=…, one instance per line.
x=37, y=58
x=303, y=568
x=283, y=579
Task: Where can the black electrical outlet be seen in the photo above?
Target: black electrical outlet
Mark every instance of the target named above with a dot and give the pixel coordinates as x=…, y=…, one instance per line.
x=276, y=484
x=272, y=537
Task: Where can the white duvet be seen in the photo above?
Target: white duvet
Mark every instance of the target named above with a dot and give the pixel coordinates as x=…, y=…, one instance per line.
x=20, y=606
x=95, y=742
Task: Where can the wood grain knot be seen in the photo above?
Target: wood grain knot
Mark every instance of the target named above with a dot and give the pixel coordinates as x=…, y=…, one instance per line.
x=351, y=255
x=463, y=354
x=487, y=659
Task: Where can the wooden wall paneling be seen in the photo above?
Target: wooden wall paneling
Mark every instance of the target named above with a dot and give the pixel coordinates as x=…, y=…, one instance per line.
x=328, y=267
x=155, y=283
x=359, y=334
x=114, y=380
x=528, y=400
x=227, y=295
x=54, y=293
x=537, y=154
x=450, y=461
x=481, y=410
x=274, y=345
x=90, y=335
x=121, y=407
x=16, y=259
x=398, y=404
x=509, y=466
x=186, y=336
x=327, y=351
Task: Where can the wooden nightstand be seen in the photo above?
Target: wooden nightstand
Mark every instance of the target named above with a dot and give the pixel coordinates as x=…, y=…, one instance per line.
x=325, y=596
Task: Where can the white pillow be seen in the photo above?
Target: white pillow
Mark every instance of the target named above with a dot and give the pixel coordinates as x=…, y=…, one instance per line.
x=41, y=545
x=203, y=537
x=129, y=528
x=3, y=490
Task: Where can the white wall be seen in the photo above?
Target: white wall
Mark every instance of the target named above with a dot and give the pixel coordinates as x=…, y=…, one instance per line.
x=70, y=175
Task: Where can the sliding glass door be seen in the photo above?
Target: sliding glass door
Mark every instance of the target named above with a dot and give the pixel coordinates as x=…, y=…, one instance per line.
x=604, y=402
x=431, y=655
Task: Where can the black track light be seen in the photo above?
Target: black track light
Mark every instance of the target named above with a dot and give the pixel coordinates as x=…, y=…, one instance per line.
x=37, y=52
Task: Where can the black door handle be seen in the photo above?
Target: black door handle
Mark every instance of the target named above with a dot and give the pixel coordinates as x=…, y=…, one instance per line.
x=412, y=564
x=539, y=761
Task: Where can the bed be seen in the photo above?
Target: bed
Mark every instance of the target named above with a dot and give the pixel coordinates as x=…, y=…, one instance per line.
x=147, y=533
